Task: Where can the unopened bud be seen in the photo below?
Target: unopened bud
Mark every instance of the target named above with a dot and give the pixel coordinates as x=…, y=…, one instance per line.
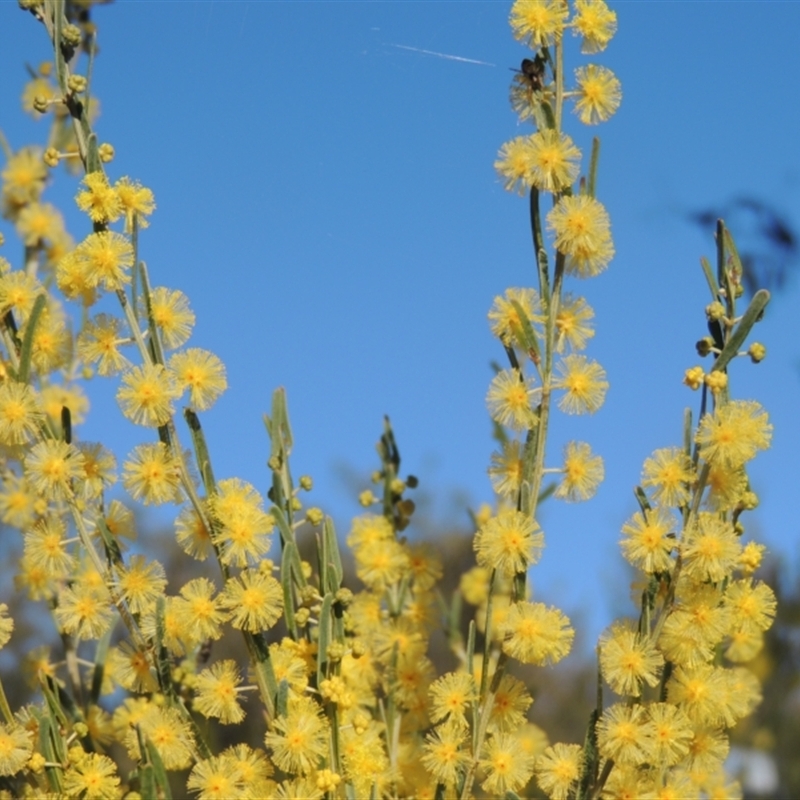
x=716, y=381
x=749, y=501
x=76, y=84
x=704, y=346
x=693, y=377
x=757, y=352
x=358, y=648
x=343, y=596
x=301, y=617
x=306, y=483
x=40, y=104
x=367, y=498
x=106, y=152
x=315, y=516
x=71, y=35
x=715, y=311
x=51, y=157
x=335, y=651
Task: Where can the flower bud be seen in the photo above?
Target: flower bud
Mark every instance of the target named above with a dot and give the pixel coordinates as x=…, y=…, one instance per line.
x=71, y=35
x=314, y=516
x=343, y=596
x=106, y=152
x=367, y=498
x=51, y=157
x=715, y=311
x=693, y=377
x=301, y=617
x=716, y=381
x=704, y=346
x=76, y=84
x=757, y=352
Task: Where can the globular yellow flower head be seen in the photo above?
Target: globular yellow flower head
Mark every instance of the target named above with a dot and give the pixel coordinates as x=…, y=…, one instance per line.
x=51, y=467
x=23, y=180
x=102, y=260
x=573, y=323
x=584, y=383
x=202, y=373
x=217, y=692
x=507, y=766
x=382, y=563
x=136, y=201
x=514, y=164
x=509, y=542
x=510, y=398
x=554, y=161
x=672, y=733
x=511, y=701
x=598, y=94
x=99, y=199
x=548, y=160
x=504, y=318
x=147, y=394
x=39, y=223
x=99, y=344
x=536, y=634
x=734, y=433
x=582, y=473
x=84, y=611
x=216, y=778
x=141, y=583
x=18, y=293
x=445, y=753
x=152, y=474
x=451, y=696
x=202, y=613
x=625, y=734
x=649, y=540
x=582, y=233
x=93, y=775
x=629, y=660
x=711, y=548
x=168, y=731
x=45, y=546
x=558, y=769
x=171, y=312
x=21, y=413
x=299, y=739
x=538, y=23
x=595, y=22
x=254, y=600
x=505, y=471
x=668, y=473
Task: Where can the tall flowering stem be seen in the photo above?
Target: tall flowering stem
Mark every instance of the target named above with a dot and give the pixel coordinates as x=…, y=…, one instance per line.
x=542, y=333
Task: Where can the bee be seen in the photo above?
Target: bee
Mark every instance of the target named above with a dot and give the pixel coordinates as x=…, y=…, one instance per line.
x=531, y=73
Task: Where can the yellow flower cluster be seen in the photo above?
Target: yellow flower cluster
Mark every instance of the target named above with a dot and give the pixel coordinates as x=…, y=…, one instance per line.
x=343, y=686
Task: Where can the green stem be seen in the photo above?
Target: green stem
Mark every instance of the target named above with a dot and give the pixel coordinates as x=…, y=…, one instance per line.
x=559, y=82
x=5, y=708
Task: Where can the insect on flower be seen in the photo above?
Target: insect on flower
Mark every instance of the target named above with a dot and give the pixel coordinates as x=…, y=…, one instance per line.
x=531, y=72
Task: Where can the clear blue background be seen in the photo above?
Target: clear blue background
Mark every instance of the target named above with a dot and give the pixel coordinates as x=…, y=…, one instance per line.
x=327, y=201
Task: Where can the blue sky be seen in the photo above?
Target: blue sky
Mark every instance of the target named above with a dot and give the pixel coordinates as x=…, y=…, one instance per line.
x=327, y=200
